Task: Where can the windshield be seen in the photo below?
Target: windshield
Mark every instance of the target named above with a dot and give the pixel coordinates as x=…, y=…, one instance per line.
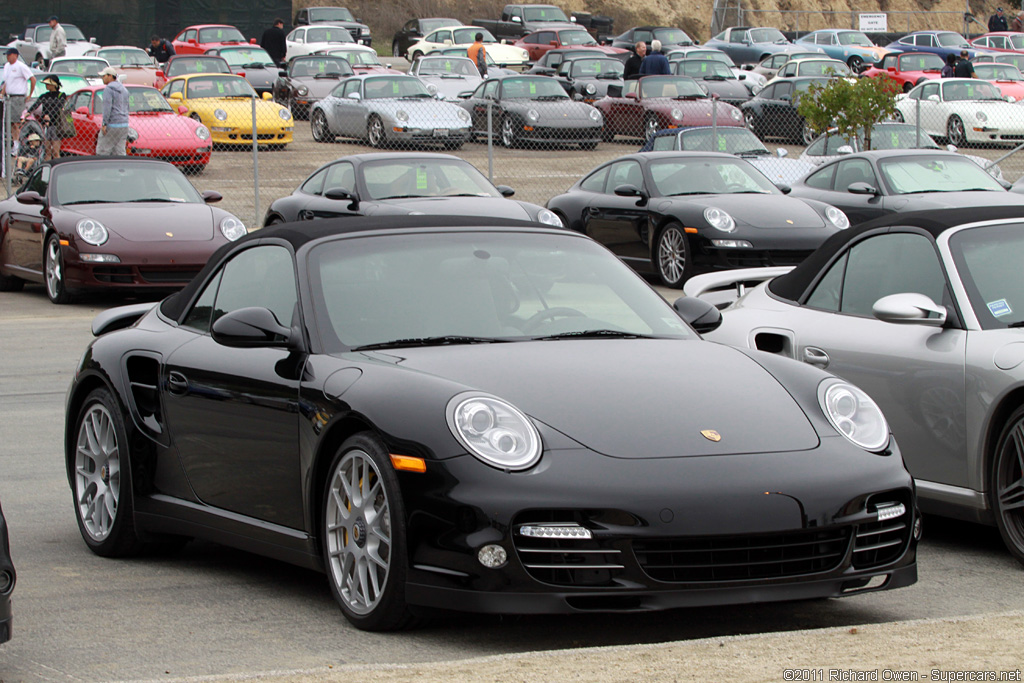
x=921, y=62
x=1016, y=60
x=434, y=178
x=707, y=54
x=68, y=84
x=579, y=37
x=731, y=140
x=970, y=90
x=535, y=88
x=823, y=67
x=354, y=57
x=804, y=84
x=949, y=39
x=675, y=177
x=86, y=68
x=428, y=25
x=464, y=36
x=221, y=34
x=898, y=136
x=394, y=87
x=322, y=67
x=199, y=65
x=988, y=261
x=544, y=14
x=997, y=72
x=141, y=100
x=854, y=38
x=670, y=86
x=126, y=57
x=328, y=34
x=247, y=56
x=219, y=86
x=446, y=66
x=71, y=32
x=597, y=68
x=703, y=68
x=331, y=14
x=122, y=182
x=672, y=36
x=946, y=173
x=488, y=286
x=767, y=35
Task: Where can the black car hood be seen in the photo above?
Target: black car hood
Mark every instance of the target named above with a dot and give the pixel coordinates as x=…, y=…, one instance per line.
x=951, y=200
x=765, y=212
x=630, y=398
x=459, y=206
x=192, y=222
x=727, y=88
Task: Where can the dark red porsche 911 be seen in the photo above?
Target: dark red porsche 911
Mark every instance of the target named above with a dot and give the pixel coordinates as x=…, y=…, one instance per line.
x=109, y=222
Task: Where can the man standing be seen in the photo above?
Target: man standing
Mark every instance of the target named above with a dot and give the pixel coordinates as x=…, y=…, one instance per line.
x=1018, y=22
x=633, y=63
x=160, y=49
x=273, y=41
x=58, y=39
x=964, y=68
x=655, y=63
x=114, y=134
x=997, y=22
x=478, y=53
x=18, y=83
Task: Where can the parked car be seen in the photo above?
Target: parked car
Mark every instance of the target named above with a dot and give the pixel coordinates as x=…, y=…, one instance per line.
x=157, y=131
x=306, y=40
x=846, y=45
x=88, y=68
x=551, y=60
x=941, y=43
x=670, y=37
x=340, y=16
x=531, y=111
x=907, y=68
x=308, y=80
x=478, y=453
x=918, y=309
x=814, y=67
x=1014, y=58
x=112, y=223
x=450, y=76
x=753, y=80
x=388, y=111
x=133, y=64
x=464, y=36
x=715, y=77
x=1006, y=77
x=196, y=40
x=749, y=45
x=493, y=68
x=590, y=77
x=772, y=112
x=182, y=65
x=539, y=42
x=401, y=183
x=646, y=105
x=673, y=213
x=962, y=110
x=8, y=577
x=518, y=20
x=362, y=59
x=769, y=66
x=33, y=43
x=1000, y=41
x=414, y=29
x=869, y=185
x=252, y=63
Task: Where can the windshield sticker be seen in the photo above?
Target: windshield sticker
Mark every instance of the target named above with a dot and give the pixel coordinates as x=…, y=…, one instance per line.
x=421, y=179
x=722, y=143
x=220, y=87
x=533, y=88
x=999, y=308
x=895, y=139
x=394, y=87
x=703, y=67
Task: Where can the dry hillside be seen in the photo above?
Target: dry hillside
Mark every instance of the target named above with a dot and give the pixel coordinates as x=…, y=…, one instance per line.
x=386, y=16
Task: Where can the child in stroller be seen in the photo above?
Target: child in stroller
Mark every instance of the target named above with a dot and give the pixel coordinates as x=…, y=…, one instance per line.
x=30, y=152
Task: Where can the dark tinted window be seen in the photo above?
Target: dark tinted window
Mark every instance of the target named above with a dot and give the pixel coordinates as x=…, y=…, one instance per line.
x=315, y=185
x=822, y=180
x=596, y=181
x=261, y=276
x=826, y=294
x=891, y=264
x=200, y=315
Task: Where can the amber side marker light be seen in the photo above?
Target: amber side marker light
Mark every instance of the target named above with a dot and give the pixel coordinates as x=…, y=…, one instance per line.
x=690, y=231
x=408, y=463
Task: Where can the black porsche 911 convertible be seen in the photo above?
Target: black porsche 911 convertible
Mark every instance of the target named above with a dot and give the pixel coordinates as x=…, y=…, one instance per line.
x=455, y=413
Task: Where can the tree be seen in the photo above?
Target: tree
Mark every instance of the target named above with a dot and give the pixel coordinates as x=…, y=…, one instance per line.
x=850, y=106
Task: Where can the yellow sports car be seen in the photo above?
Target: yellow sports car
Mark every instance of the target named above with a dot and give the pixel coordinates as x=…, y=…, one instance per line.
x=224, y=103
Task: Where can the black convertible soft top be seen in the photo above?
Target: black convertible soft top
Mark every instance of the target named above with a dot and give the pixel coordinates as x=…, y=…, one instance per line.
x=793, y=284
x=300, y=232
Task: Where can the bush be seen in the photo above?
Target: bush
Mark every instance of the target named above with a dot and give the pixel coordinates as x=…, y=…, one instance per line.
x=850, y=106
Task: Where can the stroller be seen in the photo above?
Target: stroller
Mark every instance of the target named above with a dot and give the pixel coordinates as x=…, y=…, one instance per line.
x=30, y=152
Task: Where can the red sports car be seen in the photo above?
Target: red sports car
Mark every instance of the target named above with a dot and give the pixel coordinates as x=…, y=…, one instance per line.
x=644, y=106
x=179, y=65
x=1006, y=77
x=109, y=223
x=539, y=42
x=908, y=68
x=196, y=40
x=1000, y=41
x=160, y=132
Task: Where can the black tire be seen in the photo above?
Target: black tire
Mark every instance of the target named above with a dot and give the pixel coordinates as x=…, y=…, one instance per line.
x=102, y=476
x=1007, y=484
x=750, y=121
x=395, y=49
x=898, y=117
x=364, y=537
x=414, y=56
x=651, y=126
x=908, y=86
x=955, y=132
x=53, y=271
x=375, y=134
x=607, y=135
x=855, y=63
x=509, y=132
x=673, y=259
x=319, y=127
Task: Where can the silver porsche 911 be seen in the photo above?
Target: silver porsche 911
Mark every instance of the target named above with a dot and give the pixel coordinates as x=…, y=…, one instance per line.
x=925, y=312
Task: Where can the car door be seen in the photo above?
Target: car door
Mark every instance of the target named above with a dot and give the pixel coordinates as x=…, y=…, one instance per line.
x=349, y=114
x=232, y=413
x=620, y=223
x=23, y=239
x=933, y=119
x=858, y=207
x=482, y=100
x=914, y=372
x=339, y=175
x=84, y=141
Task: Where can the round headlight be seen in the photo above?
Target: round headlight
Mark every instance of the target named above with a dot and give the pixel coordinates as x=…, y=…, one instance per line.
x=284, y=113
x=93, y=232
x=1011, y=98
x=981, y=116
x=220, y=114
x=853, y=414
x=549, y=218
x=494, y=431
x=595, y=114
x=464, y=116
x=402, y=115
x=590, y=89
x=302, y=90
x=133, y=135
x=677, y=114
x=719, y=219
x=736, y=115
x=232, y=228
x=202, y=132
x=533, y=115
x=837, y=218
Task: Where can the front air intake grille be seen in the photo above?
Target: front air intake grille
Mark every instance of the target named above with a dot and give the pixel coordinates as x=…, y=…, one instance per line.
x=882, y=542
x=160, y=276
x=742, y=558
x=569, y=562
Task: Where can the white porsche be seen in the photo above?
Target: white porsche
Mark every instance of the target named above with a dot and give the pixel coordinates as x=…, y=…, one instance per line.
x=962, y=110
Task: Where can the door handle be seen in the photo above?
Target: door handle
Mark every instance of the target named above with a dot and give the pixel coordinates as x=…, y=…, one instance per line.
x=593, y=210
x=305, y=215
x=816, y=357
x=177, y=383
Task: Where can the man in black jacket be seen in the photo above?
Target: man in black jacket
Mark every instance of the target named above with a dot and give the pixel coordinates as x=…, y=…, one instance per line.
x=633, y=63
x=160, y=49
x=273, y=42
x=997, y=22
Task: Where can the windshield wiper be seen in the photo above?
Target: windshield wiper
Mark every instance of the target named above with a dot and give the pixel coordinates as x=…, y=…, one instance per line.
x=430, y=341
x=593, y=334
x=254, y=65
x=329, y=74
x=91, y=201
x=1019, y=323
x=150, y=199
x=959, y=189
x=752, y=152
x=748, y=192
x=550, y=98
x=415, y=97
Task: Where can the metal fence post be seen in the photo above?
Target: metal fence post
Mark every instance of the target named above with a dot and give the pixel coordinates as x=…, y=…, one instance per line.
x=714, y=120
x=918, y=128
x=255, y=168
x=7, y=147
x=490, y=142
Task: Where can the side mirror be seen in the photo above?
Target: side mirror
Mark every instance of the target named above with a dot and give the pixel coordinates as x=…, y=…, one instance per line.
x=267, y=96
x=632, y=191
x=553, y=43
x=447, y=41
x=505, y=190
x=211, y=197
x=252, y=41
x=742, y=77
x=354, y=96
x=250, y=327
x=891, y=69
x=192, y=41
x=781, y=152
x=845, y=149
x=516, y=20
x=933, y=98
x=785, y=98
x=748, y=67
x=909, y=308
x=862, y=188
x=176, y=96
x=31, y=197
x=341, y=194
x=783, y=188
x=182, y=110
x=632, y=96
x=160, y=74
x=82, y=110
x=282, y=73
x=699, y=314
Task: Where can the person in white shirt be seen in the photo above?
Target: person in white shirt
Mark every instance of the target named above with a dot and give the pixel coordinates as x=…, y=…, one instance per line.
x=18, y=84
x=58, y=39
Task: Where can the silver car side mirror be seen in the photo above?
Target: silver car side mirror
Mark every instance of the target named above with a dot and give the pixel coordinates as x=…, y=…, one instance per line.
x=844, y=149
x=909, y=308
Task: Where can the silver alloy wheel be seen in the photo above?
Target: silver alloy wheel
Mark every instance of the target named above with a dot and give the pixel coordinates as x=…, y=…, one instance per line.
x=672, y=254
x=855, y=63
x=375, y=132
x=97, y=472
x=54, y=268
x=358, y=536
x=1009, y=486
x=748, y=120
x=651, y=127
x=508, y=132
x=898, y=117
x=955, y=131
x=808, y=135
x=319, y=126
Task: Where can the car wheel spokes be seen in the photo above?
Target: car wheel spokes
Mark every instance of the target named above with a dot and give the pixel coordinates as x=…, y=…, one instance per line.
x=54, y=271
x=97, y=472
x=672, y=255
x=359, y=532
